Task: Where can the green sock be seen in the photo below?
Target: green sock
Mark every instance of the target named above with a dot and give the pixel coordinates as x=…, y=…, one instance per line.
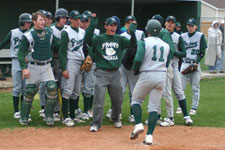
x=91, y=102
x=183, y=106
x=72, y=108
x=152, y=119
x=65, y=107
x=76, y=103
x=136, y=108
x=16, y=103
x=86, y=103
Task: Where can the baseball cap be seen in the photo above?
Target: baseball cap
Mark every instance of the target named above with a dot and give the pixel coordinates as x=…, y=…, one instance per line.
x=159, y=18
x=74, y=14
x=87, y=13
x=128, y=18
x=110, y=21
x=171, y=18
x=192, y=21
x=178, y=24
x=83, y=18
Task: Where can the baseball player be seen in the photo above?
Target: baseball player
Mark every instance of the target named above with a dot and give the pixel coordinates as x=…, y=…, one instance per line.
x=178, y=28
x=49, y=18
x=166, y=37
x=38, y=42
x=195, y=45
x=14, y=37
x=127, y=23
x=107, y=51
x=127, y=74
x=61, y=16
x=71, y=57
x=87, y=77
x=174, y=79
x=150, y=60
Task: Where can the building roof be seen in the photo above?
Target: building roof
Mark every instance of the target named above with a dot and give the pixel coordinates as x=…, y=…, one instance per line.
x=216, y=3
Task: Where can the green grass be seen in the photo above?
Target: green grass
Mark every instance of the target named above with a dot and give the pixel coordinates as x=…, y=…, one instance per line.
x=211, y=111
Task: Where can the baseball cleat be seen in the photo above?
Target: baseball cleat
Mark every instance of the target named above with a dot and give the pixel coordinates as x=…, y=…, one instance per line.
x=77, y=120
x=78, y=113
x=179, y=111
x=159, y=120
x=93, y=128
x=118, y=124
x=108, y=114
x=24, y=122
x=56, y=117
x=148, y=139
x=188, y=121
x=139, y=128
x=68, y=122
x=42, y=113
x=49, y=122
x=167, y=122
x=85, y=116
x=17, y=115
x=192, y=112
x=131, y=119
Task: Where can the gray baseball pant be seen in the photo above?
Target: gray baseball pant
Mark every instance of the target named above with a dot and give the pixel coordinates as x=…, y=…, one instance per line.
x=110, y=80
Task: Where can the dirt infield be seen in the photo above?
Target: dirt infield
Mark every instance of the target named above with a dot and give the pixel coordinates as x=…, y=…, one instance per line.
x=109, y=138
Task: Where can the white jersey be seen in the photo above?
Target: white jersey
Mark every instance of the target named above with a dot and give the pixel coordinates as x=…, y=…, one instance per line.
x=156, y=54
x=16, y=38
x=138, y=34
x=192, y=45
x=57, y=32
x=75, y=44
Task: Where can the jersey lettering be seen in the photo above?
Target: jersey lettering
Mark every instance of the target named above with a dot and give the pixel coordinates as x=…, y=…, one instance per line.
x=154, y=58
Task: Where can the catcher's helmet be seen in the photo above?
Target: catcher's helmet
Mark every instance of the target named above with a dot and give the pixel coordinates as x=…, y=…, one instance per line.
x=24, y=17
x=60, y=13
x=153, y=27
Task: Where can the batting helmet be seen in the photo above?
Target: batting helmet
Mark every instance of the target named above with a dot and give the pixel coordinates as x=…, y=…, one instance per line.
x=61, y=13
x=44, y=12
x=153, y=27
x=24, y=17
x=49, y=14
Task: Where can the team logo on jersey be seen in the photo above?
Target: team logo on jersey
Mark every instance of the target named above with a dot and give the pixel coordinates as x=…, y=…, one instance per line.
x=191, y=44
x=109, y=48
x=76, y=44
x=17, y=42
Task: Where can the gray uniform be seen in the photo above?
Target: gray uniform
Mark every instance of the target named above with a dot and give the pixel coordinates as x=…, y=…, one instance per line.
x=173, y=80
x=192, y=44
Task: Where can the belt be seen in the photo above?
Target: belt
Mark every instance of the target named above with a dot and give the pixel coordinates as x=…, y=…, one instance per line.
x=114, y=69
x=188, y=61
x=39, y=63
x=153, y=71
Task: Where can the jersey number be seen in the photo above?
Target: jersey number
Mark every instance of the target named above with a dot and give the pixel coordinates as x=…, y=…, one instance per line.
x=154, y=58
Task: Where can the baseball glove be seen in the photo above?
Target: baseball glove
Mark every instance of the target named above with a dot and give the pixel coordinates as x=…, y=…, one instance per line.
x=87, y=64
x=191, y=68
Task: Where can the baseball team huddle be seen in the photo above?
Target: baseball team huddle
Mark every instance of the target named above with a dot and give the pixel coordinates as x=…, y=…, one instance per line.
x=70, y=56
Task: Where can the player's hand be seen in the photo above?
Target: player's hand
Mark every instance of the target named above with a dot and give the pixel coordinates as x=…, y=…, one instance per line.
x=26, y=74
x=195, y=64
x=65, y=74
x=93, y=15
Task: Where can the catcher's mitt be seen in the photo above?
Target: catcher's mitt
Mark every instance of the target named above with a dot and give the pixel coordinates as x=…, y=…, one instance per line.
x=189, y=69
x=87, y=64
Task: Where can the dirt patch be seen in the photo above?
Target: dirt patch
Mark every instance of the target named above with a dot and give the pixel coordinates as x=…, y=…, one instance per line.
x=110, y=138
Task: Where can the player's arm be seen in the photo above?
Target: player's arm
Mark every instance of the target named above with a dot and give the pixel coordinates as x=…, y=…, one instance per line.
x=90, y=30
x=133, y=41
x=63, y=50
x=181, y=47
x=139, y=56
x=6, y=40
x=203, y=46
x=55, y=43
x=22, y=53
x=168, y=39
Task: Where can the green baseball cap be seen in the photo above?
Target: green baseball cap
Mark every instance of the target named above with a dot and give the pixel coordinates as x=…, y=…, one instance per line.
x=192, y=21
x=178, y=24
x=87, y=13
x=74, y=14
x=171, y=18
x=128, y=18
x=110, y=21
x=83, y=18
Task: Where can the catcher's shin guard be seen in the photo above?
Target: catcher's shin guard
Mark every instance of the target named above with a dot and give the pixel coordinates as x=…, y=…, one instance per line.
x=51, y=98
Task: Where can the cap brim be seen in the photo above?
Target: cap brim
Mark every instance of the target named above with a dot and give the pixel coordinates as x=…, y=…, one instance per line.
x=76, y=17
